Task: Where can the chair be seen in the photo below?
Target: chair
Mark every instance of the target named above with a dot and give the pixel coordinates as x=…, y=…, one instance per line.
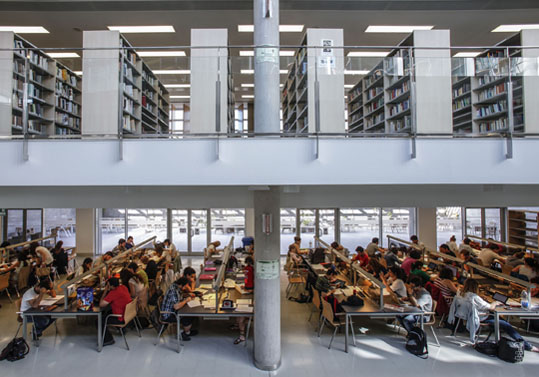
x=18, y=303
x=22, y=279
x=329, y=317
x=4, y=284
x=164, y=324
x=463, y=310
x=316, y=305
x=129, y=315
x=295, y=280
x=432, y=322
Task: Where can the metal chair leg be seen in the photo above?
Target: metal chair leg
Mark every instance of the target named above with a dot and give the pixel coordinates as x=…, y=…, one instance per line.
x=353, y=333
x=125, y=340
x=435, y=336
x=321, y=327
x=159, y=335
x=312, y=311
x=8, y=295
x=136, y=326
x=332, y=337
x=456, y=327
x=248, y=330
x=441, y=320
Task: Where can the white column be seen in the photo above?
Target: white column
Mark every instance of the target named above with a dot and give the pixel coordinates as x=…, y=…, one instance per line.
x=426, y=227
x=249, y=222
x=86, y=228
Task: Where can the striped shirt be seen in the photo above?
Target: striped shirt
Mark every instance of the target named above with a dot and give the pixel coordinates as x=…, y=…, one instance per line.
x=446, y=292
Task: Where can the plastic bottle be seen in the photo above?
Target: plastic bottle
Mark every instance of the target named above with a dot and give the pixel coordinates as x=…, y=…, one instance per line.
x=524, y=302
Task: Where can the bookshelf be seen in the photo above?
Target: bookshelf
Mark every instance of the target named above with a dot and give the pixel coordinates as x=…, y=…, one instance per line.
x=68, y=97
x=298, y=96
x=523, y=228
x=121, y=92
x=382, y=100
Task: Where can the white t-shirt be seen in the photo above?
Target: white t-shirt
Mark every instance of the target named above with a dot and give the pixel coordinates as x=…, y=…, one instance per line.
x=527, y=271
x=487, y=256
x=28, y=296
x=399, y=288
x=453, y=247
x=43, y=251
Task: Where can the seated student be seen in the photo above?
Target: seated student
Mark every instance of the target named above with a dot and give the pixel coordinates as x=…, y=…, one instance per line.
x=31, y=300
x=413, y=257
x=466, y=256
x=151, y=267
x=120, y=248
x=175, y=300
x=361, y=257
x=42, y=253
x=117, y=296
x=136, y=269
x=489, y=254
x=470, y=292
x=340, y=248
x=293, y=256
x=516, y=259
x=60, y=258
x=212, y=248
x=466, y=245
x=395, y=283
x=130, y=243
x=453, y=245
x=391, y=257
x=445, y=249
x=372, y=248
x=420, y=298
x=416, y=242
x=104, y=258
x=249, y=272
x=86, y=266
x=324, y=284
x=172, y=254
x=296, y=245
x=417, y=270
x=189, y=289
x=444, y=282
x=527, y=270
x=132, y=282
x=376, y=268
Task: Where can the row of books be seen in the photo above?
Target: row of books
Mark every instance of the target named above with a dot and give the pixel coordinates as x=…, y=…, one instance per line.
x=400, y=124
x=355, y=106
x=66, y=120
x=491, y=92
x=65, y=91
x=484, y=80
x=491, y=109
x=38, y=59
x=65, y=75
x=34, y=125
x=34, y=76
x=148, y=94
x=129, y=105
x=18, y=67
x=371, y=121
x=67, y=105
x=399, y=107
x=128, y=72
x=373, y=92
x=374, y=105
x=129, y=123
x=494, y=125
x=148, y=77
x=64, y=131
x=16, y=120
x=462, y=89
x=461, y=103
x=36, y=109
x=131, y=90
x=18, y=85
x=35, y=91
x=399, y=91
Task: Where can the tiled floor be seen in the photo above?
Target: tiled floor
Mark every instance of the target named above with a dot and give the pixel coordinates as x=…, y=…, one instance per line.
x=381, y=353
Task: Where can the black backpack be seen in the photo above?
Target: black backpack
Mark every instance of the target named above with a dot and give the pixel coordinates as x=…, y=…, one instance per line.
x=511, y=350
x=318, y=256
x=15, y=350
x=416, y=343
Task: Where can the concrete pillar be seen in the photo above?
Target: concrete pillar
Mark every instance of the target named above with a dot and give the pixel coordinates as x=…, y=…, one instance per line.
x=426, y=227
x=249, y=222
x=86, y=228
x=267, y=325
x=266, y=40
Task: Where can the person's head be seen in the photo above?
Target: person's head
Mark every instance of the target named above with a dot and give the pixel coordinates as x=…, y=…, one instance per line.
x=114, y=282
x=33, y=246
x=292, y=248
x=45, y=283
x=125, y=275
x=530, y=262
x=393, y=249
x=494, y=247
x=397, y=273
x=166, y=242
x=87, y=264
x=5, y=244
x=465, y=255
x=444, y=248
x=108, y=256
x=519, y=254
x=217, y=243
x=159, y=249
x=249, y=261
x=181, y=282
x=133, y=267
x=360, y=250
x=417, y=265
x=466, y=241
x=446, y=273
x=374, y=266
x=453, y=238
x=331, y=274
x=130, y=239
x=416, y=283
x=189, y=272
x=121, y=242
x=335, y=245
x=59, y=245
x=414, y=239
x=297, y=239
x=375, y=240
x=470, y=285
x=415, y=254
x=144, y=259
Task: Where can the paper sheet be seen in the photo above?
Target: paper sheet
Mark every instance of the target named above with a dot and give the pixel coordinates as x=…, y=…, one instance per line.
x=244, y=309
x=244, y=301
x=194, y=303
x=50, y=301
x=205, y=286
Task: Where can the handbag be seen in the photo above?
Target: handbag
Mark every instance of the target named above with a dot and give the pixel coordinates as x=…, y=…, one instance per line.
x=511, y=350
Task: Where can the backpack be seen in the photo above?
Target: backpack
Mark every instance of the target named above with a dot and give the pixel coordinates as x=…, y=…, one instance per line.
x=15, y=350
x=416, y=343
x=511, y=350
x=318, y=256
x=353, y=301
x=487, y=348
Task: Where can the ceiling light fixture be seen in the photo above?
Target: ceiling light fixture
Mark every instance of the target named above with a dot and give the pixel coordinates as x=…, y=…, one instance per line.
x=396, y=29
x=143, y=29
x=469, y=54
x=247, y=85
x=281, y=53
x=248, y=96
x=348, y=86
x=57, y=55
x=356, y=72
x=179, y=97
x=282, y=28
x=172, y=86
x=171, y=72
x=78, y=73
x=158, y=54
x=367, y=54
x=25, y=29
x=514, y=28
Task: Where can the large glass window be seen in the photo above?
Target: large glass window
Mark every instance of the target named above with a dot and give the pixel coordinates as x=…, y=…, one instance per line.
x=226, y=223
x=307, y=227
x=199, y=226
x=473, y=222
x=359, y=226
x=15, y=228
x=448, y=223
x=397, y=222
x=34, y=223
x=288, y=228
x=326, y=226
x=112, y=227
x=179, y=228
x=493, y=223
x=144, y=223
x=63, y=219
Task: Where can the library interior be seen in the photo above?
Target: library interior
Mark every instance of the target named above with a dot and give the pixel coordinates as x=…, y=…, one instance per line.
x=269, y=187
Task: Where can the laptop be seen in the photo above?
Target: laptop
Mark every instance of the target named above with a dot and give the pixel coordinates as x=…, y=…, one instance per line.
x=500, y=298
x=432, y=266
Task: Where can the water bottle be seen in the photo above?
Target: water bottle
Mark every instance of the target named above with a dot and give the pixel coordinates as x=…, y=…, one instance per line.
x=524, y=302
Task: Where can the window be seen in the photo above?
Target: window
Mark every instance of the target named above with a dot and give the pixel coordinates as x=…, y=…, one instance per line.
x=34, y=223
x=180, y=229
x=359, y=226
x=448, y=223
x=112, y=227
x=307, y=228
x=199, y=226
x=63, y=219
x=288, y=228
x=473, y=222
x=226, y=223
x=326, y=226
x=493, y=223
x=15, y=227
x=177, y=115
x=144, y=223
x=397, y=222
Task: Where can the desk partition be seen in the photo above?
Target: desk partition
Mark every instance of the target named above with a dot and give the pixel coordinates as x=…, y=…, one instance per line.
x=508, y=278
x=512, y=245
x=221, y=273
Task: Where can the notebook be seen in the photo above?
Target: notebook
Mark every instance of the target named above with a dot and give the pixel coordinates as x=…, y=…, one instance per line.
x=210, y=269
x=206, y=277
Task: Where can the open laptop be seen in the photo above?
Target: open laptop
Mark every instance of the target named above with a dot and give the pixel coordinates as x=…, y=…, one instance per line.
x=500, y=298
x=432, y=266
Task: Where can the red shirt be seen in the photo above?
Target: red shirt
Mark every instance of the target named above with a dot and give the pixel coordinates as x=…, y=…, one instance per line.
x=118, y=298
x=249, y=277
x=363, y=259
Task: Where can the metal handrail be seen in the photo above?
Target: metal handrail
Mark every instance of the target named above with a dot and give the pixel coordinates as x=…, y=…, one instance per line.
x=7, y=249
x=513, y=245
x=221, y=273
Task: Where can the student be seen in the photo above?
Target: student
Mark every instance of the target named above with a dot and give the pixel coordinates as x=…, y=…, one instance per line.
x=445, y=249
x=43, y=253
x=296, y=245
x=465, y=245
x=361, y=257
x=135, y=268
x=373, y=247
x=212, y=249
x=151, y=268
x=420, y=298
x=391, y=257
x=340, y=248
x=528, y=269
x=452, y=244
x=444, y=282
x=132, y=282
x=172, y=253
x=416, y=242
x=293, y=259
x=104, y=258
x=249, y=273
x=395, y=283
x=413, y=257
x=86, y=266
x=60, y=258
x=117, y=296
x=120, y=248
x=130, y=243
x=324, y=283
x=189, y=289
x=31, y=300
x=175, y=300
x=417, y=270
x=375, y=267
x=470, y=292
x=516, y=259
x=489, y=254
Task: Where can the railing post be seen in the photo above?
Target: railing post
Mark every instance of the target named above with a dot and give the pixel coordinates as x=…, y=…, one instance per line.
x=120, y=112
x=25, y=99
x=413, y=133
x=511, y=123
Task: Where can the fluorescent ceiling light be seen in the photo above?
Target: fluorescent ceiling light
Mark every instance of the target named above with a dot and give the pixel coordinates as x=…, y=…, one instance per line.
x=395, y=29
x=179, y=97
x=56, y=55
x=158, y=54
x=357, y=72
x=252, y=71
x=25, y=29
x=469, y=54
x=177, y=85
x=348, y=86
x=367, y=54
x=514, y=28
x=143, y=29
x=282, y=28
x=78, y=73
x=248, y=96
x=247, y=85
x=281, y=53
x=171, y=72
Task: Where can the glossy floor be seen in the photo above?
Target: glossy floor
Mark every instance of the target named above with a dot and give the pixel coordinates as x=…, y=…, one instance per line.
x=211, y=353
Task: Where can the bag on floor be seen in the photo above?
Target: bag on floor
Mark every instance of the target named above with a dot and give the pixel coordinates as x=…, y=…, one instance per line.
x=416, y=343
x=302, y=299
x=511, y=350
x=15, y=350
x=489, y=348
